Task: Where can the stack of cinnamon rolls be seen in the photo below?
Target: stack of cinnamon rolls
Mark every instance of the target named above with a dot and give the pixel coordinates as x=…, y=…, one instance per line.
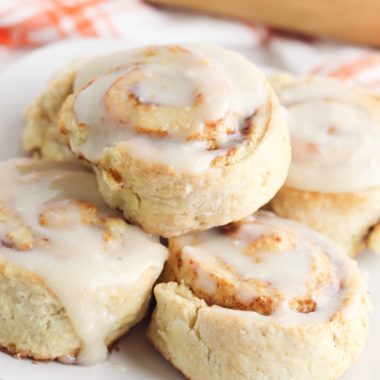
x=188, y=143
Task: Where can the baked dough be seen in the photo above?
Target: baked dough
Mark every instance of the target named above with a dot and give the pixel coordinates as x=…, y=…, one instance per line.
x=350, y=219
x=41, y=136
x=73, y=275
x=333, y=184
x=181, y=137
x=262, y=299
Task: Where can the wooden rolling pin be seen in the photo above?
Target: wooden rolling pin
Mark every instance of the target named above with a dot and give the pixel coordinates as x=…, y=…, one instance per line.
x=351, y=20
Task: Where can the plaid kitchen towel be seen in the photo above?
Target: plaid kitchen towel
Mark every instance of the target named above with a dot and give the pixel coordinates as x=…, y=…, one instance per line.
x=30, y=23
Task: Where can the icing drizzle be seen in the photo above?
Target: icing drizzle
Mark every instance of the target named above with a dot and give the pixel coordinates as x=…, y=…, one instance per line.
x=179, y=106
x=54, y=224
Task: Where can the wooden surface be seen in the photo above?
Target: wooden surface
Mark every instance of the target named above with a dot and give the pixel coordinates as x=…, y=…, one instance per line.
x=351, y=20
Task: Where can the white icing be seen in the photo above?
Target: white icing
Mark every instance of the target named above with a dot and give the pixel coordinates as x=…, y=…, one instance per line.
x=335, y=135
x=287, y=269
x=174, y=87
x=205, y=282
x=76, y=264
x=273, y=267
x=232, y=90
x=181, y=157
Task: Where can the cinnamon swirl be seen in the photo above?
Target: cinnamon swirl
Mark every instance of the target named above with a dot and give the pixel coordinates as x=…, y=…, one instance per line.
x=333, y=184
x=263, y=298
x=181, y=137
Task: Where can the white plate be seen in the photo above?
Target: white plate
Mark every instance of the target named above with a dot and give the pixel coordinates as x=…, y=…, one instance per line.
x=135, y=358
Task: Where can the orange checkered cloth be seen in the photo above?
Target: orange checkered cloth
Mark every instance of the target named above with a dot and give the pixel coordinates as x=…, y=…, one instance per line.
x=30, y=23
x=37, y=22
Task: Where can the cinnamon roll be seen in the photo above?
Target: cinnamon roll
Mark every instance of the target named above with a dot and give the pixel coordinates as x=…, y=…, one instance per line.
x=333, y=184
x=73, y=275
x=181, y=137
x=263, y=298
x=41, y=136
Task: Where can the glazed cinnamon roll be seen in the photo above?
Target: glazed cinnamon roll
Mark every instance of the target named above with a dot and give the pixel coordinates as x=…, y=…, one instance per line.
x=333, y=184
x=263, y=298
x=73, y=275
x=181, y=137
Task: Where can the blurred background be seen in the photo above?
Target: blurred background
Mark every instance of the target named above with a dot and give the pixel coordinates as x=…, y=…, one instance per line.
x=330, y=37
